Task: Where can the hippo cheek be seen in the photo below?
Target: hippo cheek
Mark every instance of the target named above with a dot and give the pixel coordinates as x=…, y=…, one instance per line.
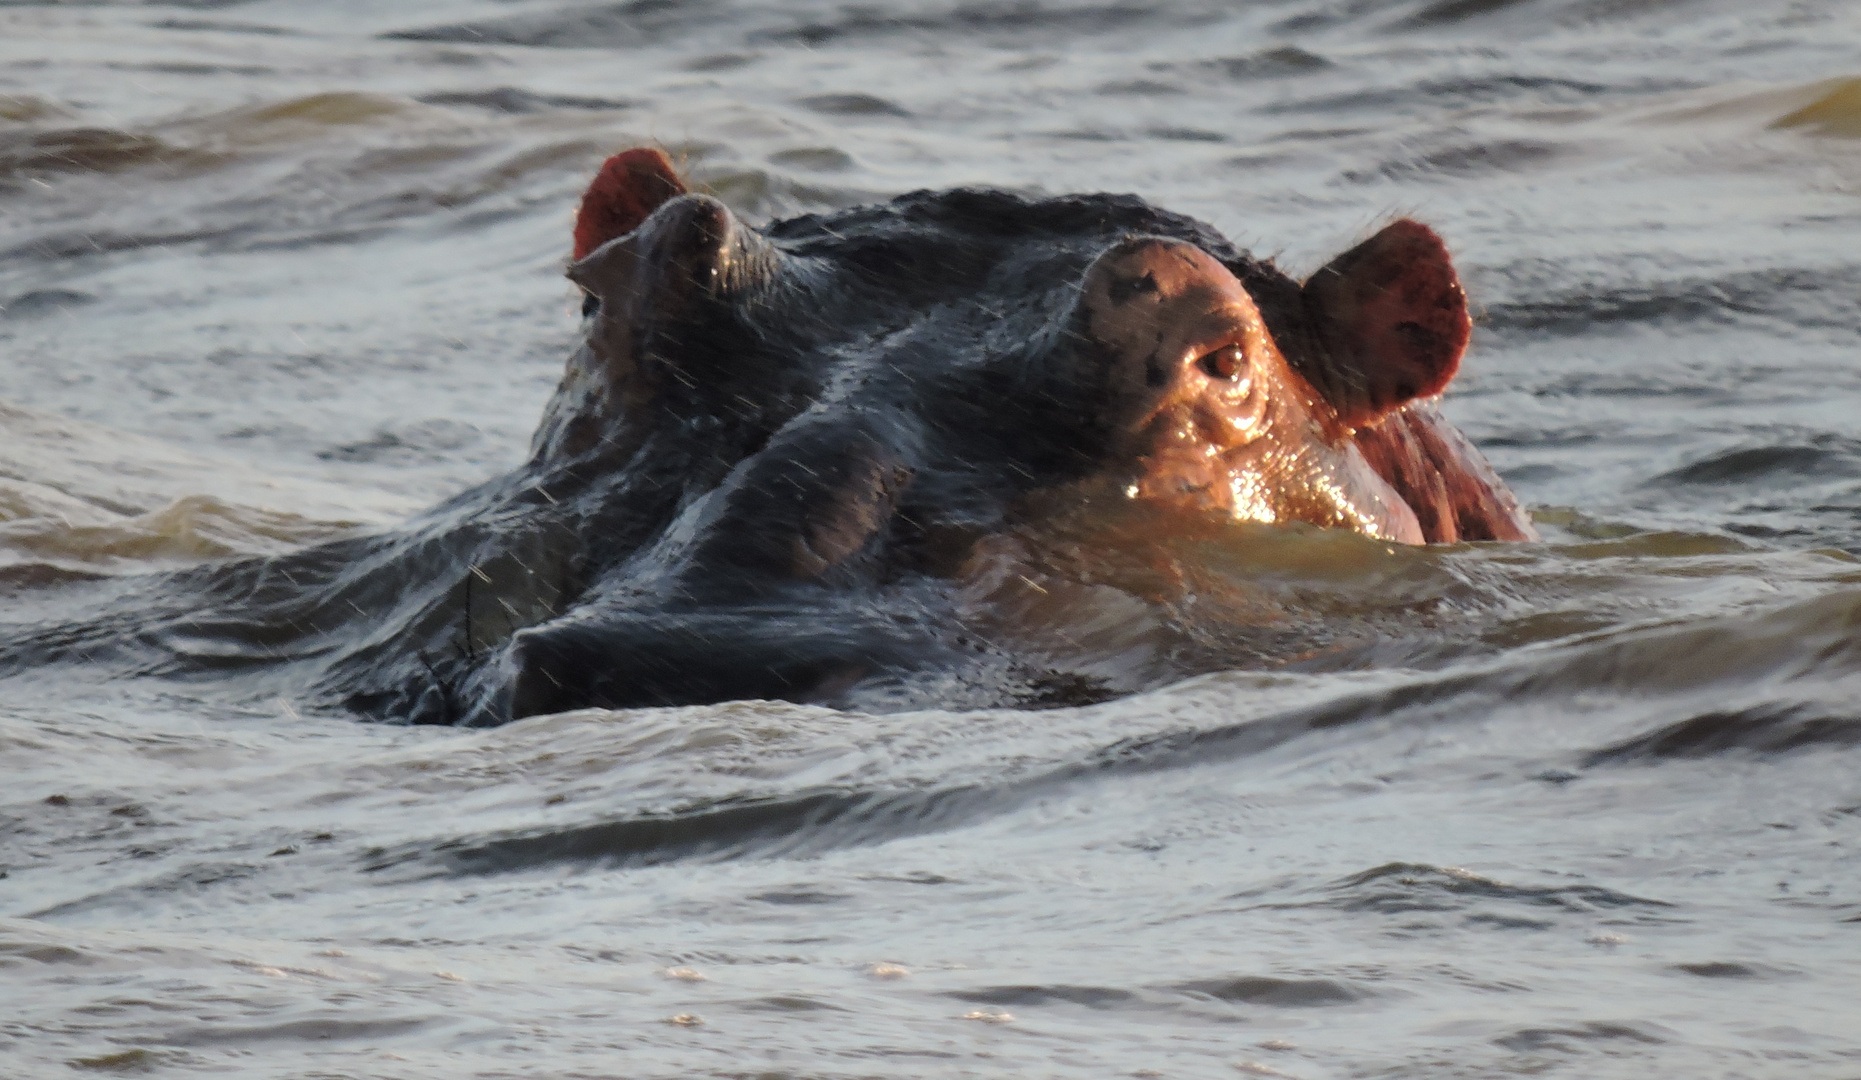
x=1229, y=402
x=1186, y=447
x=1320, y=485
x=1275, y=480
x=1205, y=408
x=1290, y=469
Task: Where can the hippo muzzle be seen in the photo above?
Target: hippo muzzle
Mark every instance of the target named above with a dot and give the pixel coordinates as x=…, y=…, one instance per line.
x=1208, y=414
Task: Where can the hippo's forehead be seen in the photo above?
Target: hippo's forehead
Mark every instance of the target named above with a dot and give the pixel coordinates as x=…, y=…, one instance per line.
x=996, y=266
x=945, y=305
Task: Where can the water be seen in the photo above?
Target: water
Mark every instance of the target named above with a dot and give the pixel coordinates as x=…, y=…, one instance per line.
x=274, y=272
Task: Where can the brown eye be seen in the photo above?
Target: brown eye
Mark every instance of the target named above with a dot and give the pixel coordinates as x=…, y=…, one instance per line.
x=1225, y=362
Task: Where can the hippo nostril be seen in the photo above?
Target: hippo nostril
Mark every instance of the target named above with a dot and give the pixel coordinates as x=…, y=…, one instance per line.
x=1124, y=290
x=1224, y=363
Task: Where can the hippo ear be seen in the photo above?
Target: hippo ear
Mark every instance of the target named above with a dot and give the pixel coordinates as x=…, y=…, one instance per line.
x=659, y=303
x=689, y=246
x=629, y=187
x=1392, y=317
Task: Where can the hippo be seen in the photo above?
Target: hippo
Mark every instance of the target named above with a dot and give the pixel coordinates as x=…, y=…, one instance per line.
x=776, y=448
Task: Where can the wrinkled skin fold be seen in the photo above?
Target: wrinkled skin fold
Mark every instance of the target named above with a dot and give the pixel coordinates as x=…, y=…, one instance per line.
x=769, y=463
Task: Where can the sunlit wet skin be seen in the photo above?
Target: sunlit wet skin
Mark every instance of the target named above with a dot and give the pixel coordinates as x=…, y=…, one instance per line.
x=1209, y=414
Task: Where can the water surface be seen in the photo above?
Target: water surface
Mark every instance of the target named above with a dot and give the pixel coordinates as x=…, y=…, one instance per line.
x=274, y=272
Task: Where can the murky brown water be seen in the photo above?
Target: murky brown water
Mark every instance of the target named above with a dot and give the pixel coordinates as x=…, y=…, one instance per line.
x=277, y=271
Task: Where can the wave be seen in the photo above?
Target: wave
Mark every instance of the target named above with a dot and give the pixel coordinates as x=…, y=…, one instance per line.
x=852, y=105
x=187, y=880
x=1631, y=666
x=32, y=109
x=1764, y=730
x=1398, y=887
x=82, y=499
x=656, y=23
x=793, y=824
x=29, y=154
x=295, y=119
x=1836, y=113
x=1408, y=16
x=1450, y=12
x=1470, y=90
x=191, y=529
x=352, y=167
x=1828, y=457
x=1277, y=62
x=312, y=1031
x=634, y=24
x=1567, y=1040
x=517, y=101
x=777, y=827
x=1820, y=298
x=1463, y=160
x=1257, y=990
x=220, y=26
x=1000, y=24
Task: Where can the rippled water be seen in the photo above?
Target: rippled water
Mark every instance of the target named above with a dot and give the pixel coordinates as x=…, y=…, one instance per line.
x=275, y=271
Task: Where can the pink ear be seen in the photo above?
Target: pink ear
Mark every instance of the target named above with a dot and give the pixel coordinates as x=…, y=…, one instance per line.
x=1393, y=319
x=630, y=186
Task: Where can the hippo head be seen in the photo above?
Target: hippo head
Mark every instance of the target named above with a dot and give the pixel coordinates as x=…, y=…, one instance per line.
x=1162, y=367
x=1204, y=410
x=771, y=435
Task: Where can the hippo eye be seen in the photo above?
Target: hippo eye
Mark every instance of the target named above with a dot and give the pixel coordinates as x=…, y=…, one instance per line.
x=1225, y=362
